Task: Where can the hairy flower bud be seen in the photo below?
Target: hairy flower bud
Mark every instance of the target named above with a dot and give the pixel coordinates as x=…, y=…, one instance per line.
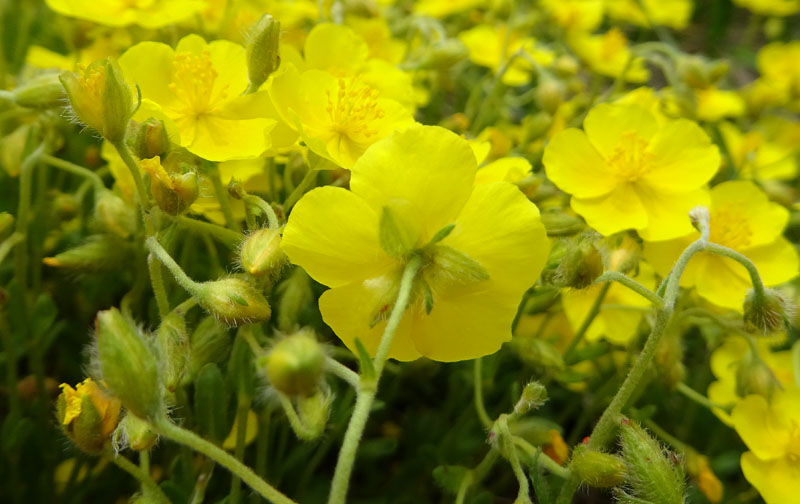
x=651, y=474
x=261, y=252
x=41, y=92
x=100, y=98
x=753, y=376
x=533, y=396
x=173, y=192
x=765, y=313
x=295, y=365
x=136, y=433
x=114, y=214
x=149, y=139
x=99, y=253
x=88, y=415
x=232, y=301
x=173, y=346
x=128, y=364
x=596, y=469
x=263, y=56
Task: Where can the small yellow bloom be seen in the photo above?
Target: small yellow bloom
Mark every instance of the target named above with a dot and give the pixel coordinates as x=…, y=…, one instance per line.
x=608, y=54
x=198, y=88
x=584, y=15
x=756, y=156
x=443, y=8
x=88, y=415
x=486, y=44
x=771, y=7
x=742, y=218
x=470, y=285
x=714, y=104
x=146, y=13
x=626, y=170
x=508, y=169
x=771, y=430
x=647, y=13
x=777, y=63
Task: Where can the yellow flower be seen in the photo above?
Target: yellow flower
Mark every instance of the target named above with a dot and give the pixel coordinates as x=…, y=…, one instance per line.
x=485, y=45
x=198, y=87
x=714, y=104
x=608, y=54
x=772, y=433
x=755, y=156
x=616, y=322
x=628, y=171
x=508, y=169
x=672, y=13
x=88, y=415
x=376, y=33
x=146, y=13
x=742, y=218
x=467, y=293
x=585, y=15
x=444, y=8
x=736, y=351
x=771, y=7
x=777, y=63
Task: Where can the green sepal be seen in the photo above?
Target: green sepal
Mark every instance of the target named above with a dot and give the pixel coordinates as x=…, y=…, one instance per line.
x=394, y=237
x=365, y=361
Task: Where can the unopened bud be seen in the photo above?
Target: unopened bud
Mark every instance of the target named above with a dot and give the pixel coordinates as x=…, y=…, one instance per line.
x=699, y=217
x=295, y=365
x=100, y=98
x=549, y=94
x=753, y=376
x=314, y=411
x=88, y=415
x=533, y=396
x=6, y=225
x=173, y=346
x=232, y=301
x=581, y=265
x=566, y=66
x=263, y=56
x=261, y=252
x=128, y=364
x=136, y=433
x=114, y=214
x=173, y=192
x=559, y=223
x=149, y=139
x=669, y=356
x=596, y=469
x=99, y=253
x=41, y=92
x=651, y=474
x=444, y=55
x=765, y=312
x=295, y=296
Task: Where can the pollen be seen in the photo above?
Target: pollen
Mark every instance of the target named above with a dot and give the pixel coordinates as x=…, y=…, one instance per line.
x=354, y=109
x=193, y=79
x=730, y=228
x=93, y=80
x=631, y=159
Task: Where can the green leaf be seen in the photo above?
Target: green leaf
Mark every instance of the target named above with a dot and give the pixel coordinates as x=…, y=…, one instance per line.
x=365, y=361
x=211, y=403
x=394, y=237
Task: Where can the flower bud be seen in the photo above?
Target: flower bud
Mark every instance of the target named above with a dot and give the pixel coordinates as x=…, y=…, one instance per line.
x=99, y=253
x=114, y=214
x=129, y=366
x=765, y=313
x=443, y=55
x=41, y=92
x=559, y=223
x=533, y=396
x=174, y=193
x=136, y=433
x=550, y=94
x=651, y=474
x=753, y=376
x=100, y=98
x=263, y=56
x=261, y=252
x=295, y=296
x=596, y=469
x=149, y=139
x=669, y=356
x=566, y=65
x=295, y=365
x=6, y=225
x=232, y=301
x=581, y=264
x=173, y=346
x=88, y=415
x=314, y=411
x=209, y=343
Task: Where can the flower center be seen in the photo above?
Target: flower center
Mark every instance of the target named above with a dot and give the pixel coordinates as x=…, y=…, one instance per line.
x=93, y=80
x=353, y=109
x=729, y=228
x=630, y=160
x=193, y=78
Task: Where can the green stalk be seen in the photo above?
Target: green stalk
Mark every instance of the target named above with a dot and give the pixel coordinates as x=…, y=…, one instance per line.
x=74, y=169
x=238, y=452
x=480, y=407
x=368, y=387
x=188, y=438
x=149, y=488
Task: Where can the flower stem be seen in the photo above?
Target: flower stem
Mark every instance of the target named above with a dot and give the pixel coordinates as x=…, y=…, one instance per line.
x=241, y=435
x=74, y=169
x=180, y=276
x=149, y=488
x=699, y=398
x=480, y=407
x=368, y=387
x=616, y=276
x=224, y=235
x=342, y=371
x=222, y=195
x=188, y=438
x=157, y=280
x=308, y=180
x=133, y=167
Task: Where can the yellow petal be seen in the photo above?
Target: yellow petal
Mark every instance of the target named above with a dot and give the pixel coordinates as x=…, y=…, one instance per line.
x=251, y=431
x=351, y=309
x=778, y=481
x=335, y=48
x=576, y=167
x=741, y=203
x=722, y=281
x=616, y=211
x=427, y=169
x=510, y=169
x=663, y=254
x=333, y=234
x=668, y=213
x=777, y=262
x=765, y=434
x=606, y=124
x=219, y=139
x=149, y=65
x=683, y=157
